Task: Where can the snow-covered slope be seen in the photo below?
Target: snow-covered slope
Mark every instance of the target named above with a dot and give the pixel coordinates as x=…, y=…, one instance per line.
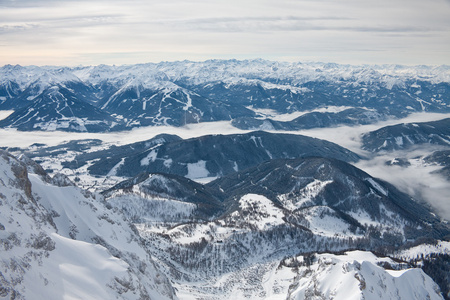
x=179, y=93
x=59, y=242
x=279, y=209
x=59, y=108
x=210, y=155
x=163, y=197
x=404, y=136
x=360, y=275
x=440, y=247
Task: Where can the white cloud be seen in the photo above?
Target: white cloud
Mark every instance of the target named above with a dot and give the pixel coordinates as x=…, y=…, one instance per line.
x=350, y=31
x=417, y=180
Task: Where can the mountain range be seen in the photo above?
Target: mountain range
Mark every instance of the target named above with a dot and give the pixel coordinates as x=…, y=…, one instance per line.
x=265, y=213
x=405, y=136
x=254, y=238
x=207, y=156
x=105, y=98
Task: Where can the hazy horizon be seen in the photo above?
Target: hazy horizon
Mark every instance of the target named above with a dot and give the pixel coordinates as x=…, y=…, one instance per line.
x=228, y=59
x=118, y=32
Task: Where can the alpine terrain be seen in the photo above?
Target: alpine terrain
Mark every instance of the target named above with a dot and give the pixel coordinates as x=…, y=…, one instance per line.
x=225, y=179
x=247, y=92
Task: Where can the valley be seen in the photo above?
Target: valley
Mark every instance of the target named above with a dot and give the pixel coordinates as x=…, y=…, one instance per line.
x=226, y=180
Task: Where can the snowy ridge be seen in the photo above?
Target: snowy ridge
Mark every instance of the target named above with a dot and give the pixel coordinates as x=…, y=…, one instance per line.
x=216, y=70
x=441, y=247
x=258, y=211
x=357, y=275
x=62, y=242
x=180, y=93
x=41, y=77
x=249, y=249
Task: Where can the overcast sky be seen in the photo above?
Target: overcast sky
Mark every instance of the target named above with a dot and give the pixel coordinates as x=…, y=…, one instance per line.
x=92, y=32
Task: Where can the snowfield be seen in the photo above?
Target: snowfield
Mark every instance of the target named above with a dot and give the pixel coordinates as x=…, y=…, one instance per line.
x=357, y=275
x=60, y=242
x=350, y=276
x=259, y=211
x=441, y=247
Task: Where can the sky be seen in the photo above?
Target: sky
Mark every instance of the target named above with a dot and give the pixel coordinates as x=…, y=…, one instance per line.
x=92, y=32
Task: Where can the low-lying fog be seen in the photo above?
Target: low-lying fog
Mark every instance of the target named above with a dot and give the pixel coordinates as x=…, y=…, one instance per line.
x=416, y=179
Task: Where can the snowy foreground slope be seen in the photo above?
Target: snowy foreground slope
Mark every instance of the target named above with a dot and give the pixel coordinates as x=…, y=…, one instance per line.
x=60, y=242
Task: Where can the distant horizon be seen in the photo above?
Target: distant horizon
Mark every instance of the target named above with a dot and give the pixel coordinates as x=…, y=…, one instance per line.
x=228, y=59
x=118, y=32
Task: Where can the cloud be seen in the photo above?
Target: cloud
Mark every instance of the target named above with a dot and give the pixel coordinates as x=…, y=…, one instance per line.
x=258, y=24
x=17, y=28
x=347, y=31
x=416, y=180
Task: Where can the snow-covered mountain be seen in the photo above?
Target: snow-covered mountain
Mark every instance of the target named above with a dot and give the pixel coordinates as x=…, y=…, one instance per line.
x=208, y=156
x=405, y=136
x=179, y=93
x=59, y=108
x=349, y=116
x=283, y=216
x=212, y=242
x=346, y=192
x=280, y=209
x=363, y=276
x=59, y=241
